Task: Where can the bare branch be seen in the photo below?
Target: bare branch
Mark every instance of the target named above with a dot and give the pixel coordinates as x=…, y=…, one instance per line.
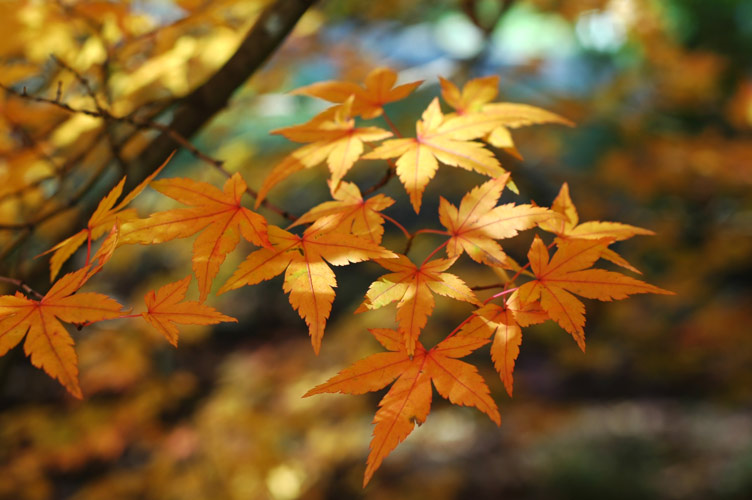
x=139, y=124
x=22, y=286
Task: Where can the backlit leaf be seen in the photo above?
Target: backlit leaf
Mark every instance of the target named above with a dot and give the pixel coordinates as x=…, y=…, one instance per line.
x=48, y=344
x=368, y=101
x=413, y=287
x=349, y=213
x=166, y=306
x=566, y=274
x=473, y=103
x=104, y=217
x=567, y=227
x=333, y=137
x=474, y=227
x=437, y=139
x=218, y=213
x=409, y=399
x=309, y=280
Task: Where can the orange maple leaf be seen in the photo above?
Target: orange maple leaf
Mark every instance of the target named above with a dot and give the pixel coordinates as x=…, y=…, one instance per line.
x=308, y=279
x=218, y=213
x=102, y=220
x=412, y=286
x=567, y=227
x=349, y=213
x=48, y=343
x=437, y=139
x=166, y=306
x=556, y=280
x=409, y=399
x=333, y=137
x=505, y=321
x=368, y=102
x=479, y=222
x=474, y=103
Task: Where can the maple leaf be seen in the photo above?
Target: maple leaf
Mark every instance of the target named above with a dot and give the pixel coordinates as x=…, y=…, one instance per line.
x=505, y=321
x=333, y=137
x=48, y=343
x=474, y=95
x=437, y=139
x=412, y=286
x=474, y=227
x=218, y=213
x=309, y=280
x=409, y=399
x=167, y=306
x=368, y=101
x=474, y=103
x=565, y=274
x=349, y=213
x=567, y=227
x=103, y=218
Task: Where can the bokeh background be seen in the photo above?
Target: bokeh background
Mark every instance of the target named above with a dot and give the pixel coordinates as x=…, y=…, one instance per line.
x=659, y=407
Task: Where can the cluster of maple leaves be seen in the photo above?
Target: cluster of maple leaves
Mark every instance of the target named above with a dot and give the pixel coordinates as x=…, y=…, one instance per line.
x=349, y=229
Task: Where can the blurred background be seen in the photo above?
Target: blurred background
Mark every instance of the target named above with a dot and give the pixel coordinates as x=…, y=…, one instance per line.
x=659, y=407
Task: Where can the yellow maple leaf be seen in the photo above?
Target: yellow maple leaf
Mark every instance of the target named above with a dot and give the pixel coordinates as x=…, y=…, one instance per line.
x=309, y=280
x=568, y=227
x=566, y=274
x=413, y=287
x=368, y=101
x=504, y=322
x=437, y=139
x=218, y=213
x=473, y=102
x=165, y=307
x=101, y=221
x=333, y=137
x=349, y=213
x=409, y=399
x=48, y=343
x=474, y=227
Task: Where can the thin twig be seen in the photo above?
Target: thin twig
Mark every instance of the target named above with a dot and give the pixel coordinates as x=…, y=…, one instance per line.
x=382, y=182
x=146, y=125
x=408, y=244
x=22, y=286
x=487, y=287
x=67, y=205
x=109, y=119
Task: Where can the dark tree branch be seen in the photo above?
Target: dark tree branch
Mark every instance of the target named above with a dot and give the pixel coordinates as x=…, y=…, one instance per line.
x=197, y=108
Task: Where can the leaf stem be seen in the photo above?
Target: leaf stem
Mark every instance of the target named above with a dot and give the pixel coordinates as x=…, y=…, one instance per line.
x=434, y=252
x=459, y=327
x=125, y=316
x=500, y=294
x=391, y=124
x=390, y=172
x=88, y=247
x=400, y=226
x=506, y=291
x=431, y=231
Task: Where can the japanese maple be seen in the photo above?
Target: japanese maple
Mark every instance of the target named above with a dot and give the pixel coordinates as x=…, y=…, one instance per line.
x=349, y=229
